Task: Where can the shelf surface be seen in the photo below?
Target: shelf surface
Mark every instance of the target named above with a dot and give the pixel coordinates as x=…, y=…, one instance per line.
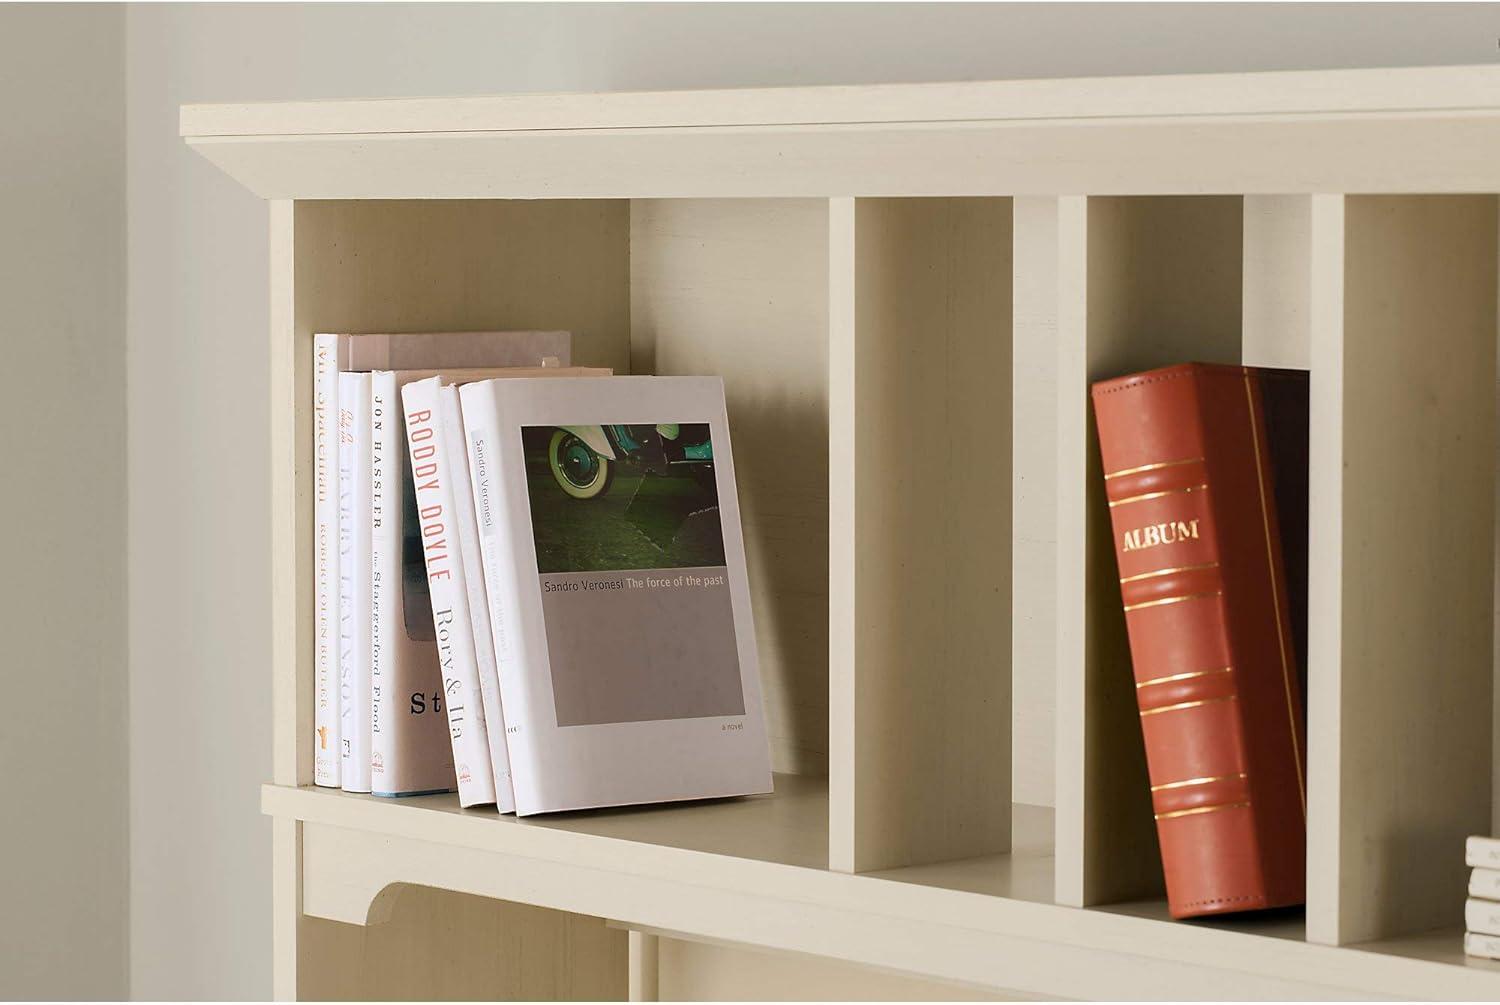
x=753, y=871
x=789, y=827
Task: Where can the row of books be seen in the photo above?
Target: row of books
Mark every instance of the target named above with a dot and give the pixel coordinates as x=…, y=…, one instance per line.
x=529, y=578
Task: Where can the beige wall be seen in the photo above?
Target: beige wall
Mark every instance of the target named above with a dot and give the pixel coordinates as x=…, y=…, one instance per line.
x=63, y=855
x=197, y=320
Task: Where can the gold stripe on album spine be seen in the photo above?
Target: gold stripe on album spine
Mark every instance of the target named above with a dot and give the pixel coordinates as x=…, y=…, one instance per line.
x=1186, y=782
x=1181, y=676
x=1157, y=495
x=1167, y=572
x=1187, y=704
x=1194, y=811
x=1151, y=467
x=1173, y=600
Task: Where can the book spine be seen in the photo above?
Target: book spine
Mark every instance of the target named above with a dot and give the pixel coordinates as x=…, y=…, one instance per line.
x=1485, y=884
x=1485, y=946
x=410, y=753
x=1482, y=916
x=1482, y=852
x=436, y=510
x=456, y=457
x=385, y=579
x=354, y=577
x=482, y=429
x=1199, y=564
x=327, y=742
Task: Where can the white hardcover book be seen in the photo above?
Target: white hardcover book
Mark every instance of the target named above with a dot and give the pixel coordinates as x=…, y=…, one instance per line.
x=328, y=354
x=409, y=749
x=333, y=353
x=456, y=461
x=1482, y=852
x=1486, y=946
x=448, y=593
x=624, y=635
x=1485, y=884
x=354, y=578
x=1482, y=916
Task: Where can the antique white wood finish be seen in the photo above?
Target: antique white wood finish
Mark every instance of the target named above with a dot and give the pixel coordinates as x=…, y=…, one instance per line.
x=1403, y=524
x=877, y=272
x=925, y=510
x=1339, y=92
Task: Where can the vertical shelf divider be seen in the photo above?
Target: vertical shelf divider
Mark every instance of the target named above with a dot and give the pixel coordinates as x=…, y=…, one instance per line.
x=843, y=445
x=289, y=480
x=1033, y=499
x=920, y=379
x=644, y=957
x=1071, y=587
x=1142, y=282
x=1324, y=564
x=1402, y=550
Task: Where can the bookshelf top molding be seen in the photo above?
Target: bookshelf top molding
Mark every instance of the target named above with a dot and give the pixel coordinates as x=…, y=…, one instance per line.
x=1425, y=89
x=1392, y=130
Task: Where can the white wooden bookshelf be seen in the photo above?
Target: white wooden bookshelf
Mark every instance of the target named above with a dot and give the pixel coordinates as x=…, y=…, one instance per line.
x=860, y=264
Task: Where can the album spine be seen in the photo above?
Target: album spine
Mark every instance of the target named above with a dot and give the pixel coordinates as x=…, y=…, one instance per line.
x=1189, y=485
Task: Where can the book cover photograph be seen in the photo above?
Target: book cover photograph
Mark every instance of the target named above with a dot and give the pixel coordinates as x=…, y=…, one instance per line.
x=638, y=500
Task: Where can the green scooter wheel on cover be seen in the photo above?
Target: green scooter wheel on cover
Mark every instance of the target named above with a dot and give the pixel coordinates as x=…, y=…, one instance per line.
x=579, y=471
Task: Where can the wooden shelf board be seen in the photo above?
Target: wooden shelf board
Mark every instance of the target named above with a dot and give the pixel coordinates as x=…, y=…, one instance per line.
x=789, y=827
x=1023, y=874
x=1441, y=945
x=1289, y=924
x=752, y=871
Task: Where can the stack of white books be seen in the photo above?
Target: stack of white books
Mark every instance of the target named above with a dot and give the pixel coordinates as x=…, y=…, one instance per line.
x=1482, y=910
x=529, y=587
